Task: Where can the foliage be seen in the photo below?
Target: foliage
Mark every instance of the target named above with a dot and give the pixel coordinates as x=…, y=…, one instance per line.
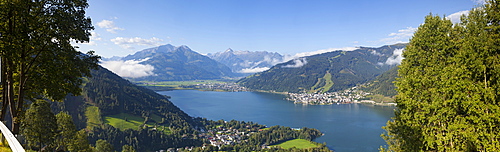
x=80, y=142
x=128, y=148
x=332, y=71
x=103, y=146
x=66, y=131
x=448, y=87
x=39, y=125
x=37, y=58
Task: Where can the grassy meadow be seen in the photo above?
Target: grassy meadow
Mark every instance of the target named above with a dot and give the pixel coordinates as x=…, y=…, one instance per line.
x=297, y=143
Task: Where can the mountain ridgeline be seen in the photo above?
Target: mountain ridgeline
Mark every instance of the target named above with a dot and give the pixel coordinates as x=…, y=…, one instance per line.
x=179, y=64
x=247, y=61
x=106, y=95
x=332, y=71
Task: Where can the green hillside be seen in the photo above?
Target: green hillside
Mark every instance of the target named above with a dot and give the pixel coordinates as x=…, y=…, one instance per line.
x=383, y=84
x=332, y=71
x=114, y=109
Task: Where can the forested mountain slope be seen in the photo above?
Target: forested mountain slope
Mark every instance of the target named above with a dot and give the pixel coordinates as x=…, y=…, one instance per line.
x=106, y=95
x=325, y=72
x=383, y=84
x=178, y=64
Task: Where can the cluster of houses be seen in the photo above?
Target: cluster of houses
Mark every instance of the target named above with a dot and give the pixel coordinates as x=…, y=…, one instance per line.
x=231, y=87
x=347, y=96
x=225, y=136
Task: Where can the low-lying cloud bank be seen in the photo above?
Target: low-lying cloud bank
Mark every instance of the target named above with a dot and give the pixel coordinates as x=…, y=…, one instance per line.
x=297, y=63
x=129, y=68
x=303, y=54
x=253, y=70
x=396, y=58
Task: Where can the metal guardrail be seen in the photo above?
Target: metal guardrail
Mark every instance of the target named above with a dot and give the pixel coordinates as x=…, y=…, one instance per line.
x=15, y=146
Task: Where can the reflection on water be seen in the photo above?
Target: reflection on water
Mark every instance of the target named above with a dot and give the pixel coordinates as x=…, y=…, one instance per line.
x=347, y=127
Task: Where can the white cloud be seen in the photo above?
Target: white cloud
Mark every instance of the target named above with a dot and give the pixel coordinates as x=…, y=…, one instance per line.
x=402, y=36
x=374, y=52
x=455, y=17
x=109, y=26
x=129, y=68
x=273, y=61
x=396, y=58
x=480, y=1
x=127, y=42
x=297, y=63
x=253, y=70
x=303, y=54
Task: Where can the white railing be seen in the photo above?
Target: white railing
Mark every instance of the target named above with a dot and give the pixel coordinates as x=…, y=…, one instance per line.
x=15, y=146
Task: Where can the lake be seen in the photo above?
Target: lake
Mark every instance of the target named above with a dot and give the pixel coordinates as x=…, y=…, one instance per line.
x=347, y=127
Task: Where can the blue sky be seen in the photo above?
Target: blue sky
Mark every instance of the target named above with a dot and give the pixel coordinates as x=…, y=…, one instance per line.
x=124, y=27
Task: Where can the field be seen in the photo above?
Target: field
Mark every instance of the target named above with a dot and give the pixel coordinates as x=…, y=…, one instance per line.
x=125, y=121
x=93, y=117
x=297, y=143
x=323, y=84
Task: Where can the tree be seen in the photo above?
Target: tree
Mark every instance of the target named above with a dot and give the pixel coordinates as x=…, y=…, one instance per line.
x=67, y=137
x=448, y=86
x=39, y=125
x=80, y=142
x=128, y=148
x=103, y=146
x=37, y=59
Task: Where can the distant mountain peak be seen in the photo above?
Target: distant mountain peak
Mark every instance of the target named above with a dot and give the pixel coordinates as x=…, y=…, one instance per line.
x=178, y=63
x=183, y=47
x=229, y=50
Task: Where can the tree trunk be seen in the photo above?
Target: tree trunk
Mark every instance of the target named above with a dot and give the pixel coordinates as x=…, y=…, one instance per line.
x=5, y=103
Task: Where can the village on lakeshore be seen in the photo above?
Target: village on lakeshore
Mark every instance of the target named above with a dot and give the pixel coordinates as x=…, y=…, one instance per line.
x=351, y=95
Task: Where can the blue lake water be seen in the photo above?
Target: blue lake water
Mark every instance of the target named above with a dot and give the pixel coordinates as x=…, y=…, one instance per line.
x=347, y=127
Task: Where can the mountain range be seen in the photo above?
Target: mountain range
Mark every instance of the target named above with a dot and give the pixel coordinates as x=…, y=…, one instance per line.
x=168, y=63
x=331, y=71
x=247, y=62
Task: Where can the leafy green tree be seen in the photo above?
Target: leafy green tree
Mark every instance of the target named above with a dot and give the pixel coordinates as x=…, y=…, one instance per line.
x=67, y=137
x=37, y=59
x=128, y=148
x=448, y=86
x=80, y=142
x=39, y=125
x=103, y=146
